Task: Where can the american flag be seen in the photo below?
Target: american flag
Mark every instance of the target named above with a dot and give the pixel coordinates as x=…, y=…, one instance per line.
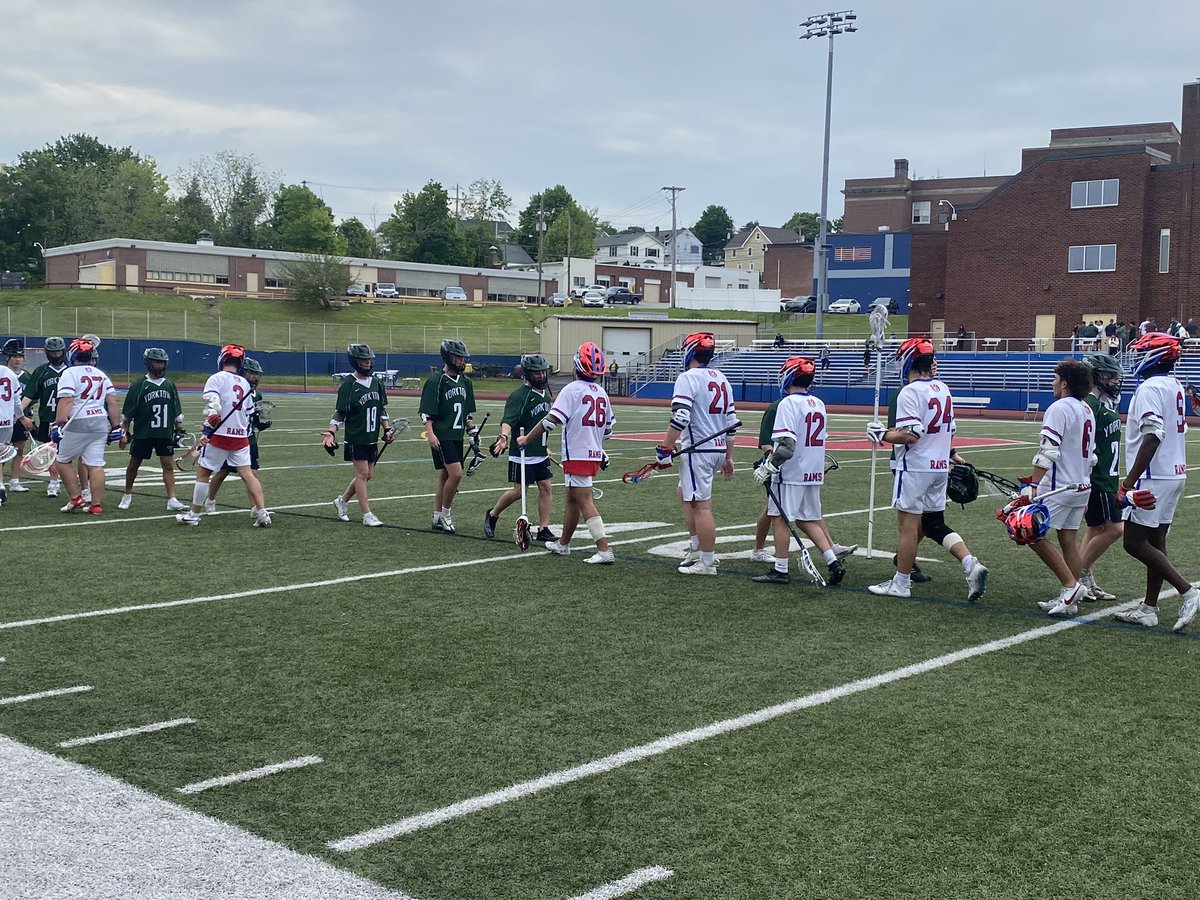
x=852, y=254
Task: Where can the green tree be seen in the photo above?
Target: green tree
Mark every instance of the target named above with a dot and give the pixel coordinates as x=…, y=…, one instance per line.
x=479, y=239
x=191, y=215
x=316, y=278
x=582, y=234
x=133, y=202
x=714, y=228
x=422, y=230
x=360, y=241
x=809, y=224
x=556, y=199
x=236, y=188
x=301, y=223
x=243, y=213
x=486, y=201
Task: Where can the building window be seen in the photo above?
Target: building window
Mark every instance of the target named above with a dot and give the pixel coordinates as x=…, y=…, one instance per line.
x=695, y=248
x=222, y=279
x=633, y=251
x=1164, y=251
x=1094, y=193
x=652, y=251
x=274, y=282
x=920, y=212
x=1092, y=258
x=751, y=267
x=734, y=252
x=612, y=251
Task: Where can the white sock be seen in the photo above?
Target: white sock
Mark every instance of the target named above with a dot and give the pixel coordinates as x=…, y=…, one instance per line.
x=968, y=562
x=437, y=515
x=903, y=580
x=829, y=556
x=694, y=542
x=707, y=557
x=781, y=565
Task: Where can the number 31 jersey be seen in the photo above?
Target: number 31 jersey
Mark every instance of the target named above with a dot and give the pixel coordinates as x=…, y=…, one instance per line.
x=706, y=393
x=926, y=407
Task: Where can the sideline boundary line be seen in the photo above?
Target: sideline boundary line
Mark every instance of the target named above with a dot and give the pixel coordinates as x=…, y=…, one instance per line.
x=287, y=765
x=634, y=881
x=124, y=732
x=56, y=692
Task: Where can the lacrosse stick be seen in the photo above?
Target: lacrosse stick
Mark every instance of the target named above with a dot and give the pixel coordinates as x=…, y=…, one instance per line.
x=1018, y=502
x=597, y=493
x=646, y=472
x=477, y=458
x=263, y=410
x=879, y=323
x=806, y=559
x=7, y=452
x=40, y=458
x=998, y=483
x=187, y=462
x=831, y=464
x=521, y=528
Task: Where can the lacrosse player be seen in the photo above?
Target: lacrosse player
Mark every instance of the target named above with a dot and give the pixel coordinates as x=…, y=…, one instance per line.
x=228, y=405
x=922, y=432
x=11, y=417
x=151, y=415
x=362, y=406
x=1105, y=524
x=447, y=404
x=796, y=471
x=1156, y=461
x=524, y=408
x=87, y=418
x=14, y=357
x=259, y=421
x=584, y=412
x=42, y=388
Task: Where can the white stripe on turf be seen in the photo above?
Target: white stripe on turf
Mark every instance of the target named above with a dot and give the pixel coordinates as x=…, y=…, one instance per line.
x=696, y=735
x=249, y=775
x=41, y=695
x=634, y=881
x=125, y=732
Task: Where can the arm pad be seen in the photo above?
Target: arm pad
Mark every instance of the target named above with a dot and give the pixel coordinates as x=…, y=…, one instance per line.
x=549, y=423
x=680, y=416
x=784, y=451
x=1152, y=424
x=212, y=405
x=916, y=429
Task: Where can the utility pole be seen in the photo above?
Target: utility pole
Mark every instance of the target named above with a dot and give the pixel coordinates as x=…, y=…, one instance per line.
x=674, y=256
x=541, y=239
x=457, y=217
x=570, y=284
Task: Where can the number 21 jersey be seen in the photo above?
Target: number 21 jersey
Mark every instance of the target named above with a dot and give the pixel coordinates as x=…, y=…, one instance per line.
x=706, y=393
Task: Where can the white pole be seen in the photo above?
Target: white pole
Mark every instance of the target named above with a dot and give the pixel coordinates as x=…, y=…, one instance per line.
x=185, y=324
x=879, y=321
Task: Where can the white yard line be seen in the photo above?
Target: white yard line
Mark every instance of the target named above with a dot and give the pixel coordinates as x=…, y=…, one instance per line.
x=125, y=732
x=57, y=692
x=672, y=742
x=299, y=762
x=634, y=881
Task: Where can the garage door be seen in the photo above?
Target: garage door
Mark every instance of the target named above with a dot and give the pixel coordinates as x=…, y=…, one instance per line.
x=626, y=346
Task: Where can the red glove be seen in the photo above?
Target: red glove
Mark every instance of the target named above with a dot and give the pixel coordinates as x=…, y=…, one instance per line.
x=1142, y=499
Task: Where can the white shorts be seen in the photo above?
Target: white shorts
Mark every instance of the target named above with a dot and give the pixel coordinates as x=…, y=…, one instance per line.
x=212, y=458
x=86, y=445
x=1066, y=510
x=696, y=474
x=801, y=502
x=1166, y=496
x=577, y=480
x=918, y=493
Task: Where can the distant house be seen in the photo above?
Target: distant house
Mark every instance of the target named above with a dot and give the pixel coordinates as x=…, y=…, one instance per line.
x=500, y=229
x=690, y=250
x=630, y=248
x=510, y=255
x=748, y=248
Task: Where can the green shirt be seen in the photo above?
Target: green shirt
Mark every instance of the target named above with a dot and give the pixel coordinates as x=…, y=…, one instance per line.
x=524, y=408
x=362, y=407
x=153, y=409
x=1108, y=445
x=446, y=402
x=768, y=425
x=254, y=427
x=43, y=388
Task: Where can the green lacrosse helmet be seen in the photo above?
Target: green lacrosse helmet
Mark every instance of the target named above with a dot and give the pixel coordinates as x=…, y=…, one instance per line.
x=1106, y=373
x=56, y=349
x=360, y=356
x=155, y=355
x=450, y=349
x=535, y=368
x=253, y=366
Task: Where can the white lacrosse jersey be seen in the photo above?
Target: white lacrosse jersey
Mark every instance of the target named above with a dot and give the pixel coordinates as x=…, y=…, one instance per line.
x=1159, y=397
x=229, y=388
x=89, y=388
x=1070, y=424
x=585, y=414
x=802, y=417
x=706, y=393
x=925, y=406
x=10, y=397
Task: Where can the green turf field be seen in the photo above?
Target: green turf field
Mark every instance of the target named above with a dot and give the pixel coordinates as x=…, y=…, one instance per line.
x=1044, y=760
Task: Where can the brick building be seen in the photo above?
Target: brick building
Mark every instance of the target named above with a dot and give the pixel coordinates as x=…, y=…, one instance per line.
x=788, y=268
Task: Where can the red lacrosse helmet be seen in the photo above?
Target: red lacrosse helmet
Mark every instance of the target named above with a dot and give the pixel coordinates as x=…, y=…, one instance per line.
x=694, y=343
x=589, y=361
x=909, y=350
x=81, y=350
x=1028, y=524
x=796, y=365
x=1153, y=350
x=231, y=353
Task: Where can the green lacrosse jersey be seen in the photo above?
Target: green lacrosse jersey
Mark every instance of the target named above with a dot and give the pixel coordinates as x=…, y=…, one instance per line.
x=525, y=407
x=362, y=407
x=152, y=406
x=768, y=425
x=1108, y=445
x=42, y=388
x=254, y=427
x=446, y=402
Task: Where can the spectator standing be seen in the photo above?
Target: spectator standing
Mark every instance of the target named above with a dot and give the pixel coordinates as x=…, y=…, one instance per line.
x=1110, y=330
x=826, y=362
x=1191, y=328
x=1131, y=334
x=962, y=337
x=1122, y=336
x=1145, y=327
x=1075, y=336
x=867, y=356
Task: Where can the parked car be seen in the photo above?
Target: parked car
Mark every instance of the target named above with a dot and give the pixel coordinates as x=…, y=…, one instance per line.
x=891, y=304
x=621, y=294
x=454, y=292
x=356, y=290
x=576, y=293
x=800, y=305
x=558, y=298
x=593, y=298
x=844, y=306
x=386, y=289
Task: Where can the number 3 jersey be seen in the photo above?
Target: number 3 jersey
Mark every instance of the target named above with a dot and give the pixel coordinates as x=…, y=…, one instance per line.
x=925, y=407
x=1158, y=399
x=802, y=418
x=88, y=387
x=705, y=392
x=587, y=419
x=229, y=389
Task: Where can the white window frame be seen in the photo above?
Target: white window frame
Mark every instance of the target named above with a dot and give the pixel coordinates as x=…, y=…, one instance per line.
x=612, y=251
x=1092, y=258
x=921, y=211
x=1164, y=251
x=1098, y=192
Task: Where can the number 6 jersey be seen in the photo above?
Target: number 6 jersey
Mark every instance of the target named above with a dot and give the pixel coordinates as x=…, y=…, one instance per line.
x=926, y=408
x=706, y=393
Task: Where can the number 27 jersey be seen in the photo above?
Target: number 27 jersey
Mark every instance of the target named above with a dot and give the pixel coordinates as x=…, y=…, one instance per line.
x=705, y=392
x=926, y=407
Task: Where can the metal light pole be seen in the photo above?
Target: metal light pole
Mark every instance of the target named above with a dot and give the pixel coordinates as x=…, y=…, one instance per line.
x=826, y=25
x=674, y=241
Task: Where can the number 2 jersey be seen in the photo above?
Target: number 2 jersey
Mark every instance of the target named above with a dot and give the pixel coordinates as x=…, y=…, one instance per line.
x=152, y=404
x=705, y=393
x=445, y=404
x=586, y=418
x=229, y=388
x=925, y=407
x=802, y=418
x=1158, y=399
x=88, y=387
x=1070, y=424
x=362, y=404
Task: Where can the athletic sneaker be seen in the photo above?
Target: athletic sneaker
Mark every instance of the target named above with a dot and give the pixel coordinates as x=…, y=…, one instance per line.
x=173, y=505
x=889, y=588
x=556, y=547
x=1067, y=602
x=692, y=556
x=763, y=555
x=371, y=520
x=3, y=495
x=188, y=518
x=210, y=507
x=52, y=489
x=87, y=494
x=96, y=509
x=773, y=577
x=447, y=525
x=1187, y=612
x=126, y=499
x=544, y=535
x=976, y=581
x=75, y=505
x=697, y=568
x=602, y=557
x=1140, y=615
x=837, y=571
x=343, y=509
x=437, y=524
x=489, y=524
x=16, y=487
x=1094, y=591
x=262, y=518
x=841, y=552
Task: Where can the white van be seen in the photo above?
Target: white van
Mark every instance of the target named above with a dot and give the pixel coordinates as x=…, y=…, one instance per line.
x=386, y=289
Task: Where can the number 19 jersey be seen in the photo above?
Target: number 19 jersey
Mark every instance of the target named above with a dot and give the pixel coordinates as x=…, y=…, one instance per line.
x=926, y=407
x=706, y=393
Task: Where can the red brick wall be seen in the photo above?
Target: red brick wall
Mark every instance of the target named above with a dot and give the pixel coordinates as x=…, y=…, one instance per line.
x=926, y=285
x=789, y=269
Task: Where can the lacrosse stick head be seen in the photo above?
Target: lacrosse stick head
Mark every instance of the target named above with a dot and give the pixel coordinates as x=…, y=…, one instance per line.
x=187, y=461
x=639, y=476
x=39, y=460
x=264, y=410
x=597, y=493
x=7, y=452
x=185, y=440
x=522, y=536
x=400, y=424
x=474, y=464
x=879, y=324
x=831, y=464
x=806, y=561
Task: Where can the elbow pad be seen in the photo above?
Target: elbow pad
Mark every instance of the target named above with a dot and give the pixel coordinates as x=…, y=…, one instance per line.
x=917, y=430
x=1048, y=453
x=1152, y=424
x=681, y=417
x=784, y=450
x=549, y=423
x=212, y=405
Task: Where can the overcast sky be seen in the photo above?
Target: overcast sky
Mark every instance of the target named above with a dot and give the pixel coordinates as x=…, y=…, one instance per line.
x=612, y=99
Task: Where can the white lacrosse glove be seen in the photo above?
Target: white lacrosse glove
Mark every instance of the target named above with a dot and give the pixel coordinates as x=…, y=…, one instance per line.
x=875, y=432
x=766, y=472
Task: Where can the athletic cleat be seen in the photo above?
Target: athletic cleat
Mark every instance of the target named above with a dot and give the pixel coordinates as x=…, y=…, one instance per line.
x=1187, y=612
x=1140, y=615
x=173, y=505
x=188, y=518
x=763, y=555
x=602, y=558
x=557, y=548
x=210, y=507
x=489, y=524
x=447, y=525
x=96, y=509
x=837, y=571
x=52, y=489
x=17, y=488
x=87, y=494
x=976, y=581
x=692, y=556
x=75, y=505
x=841, y=552
x=343, y=509
x=697, y=568
x=1067, y=601
x=889, y=588
x=3, y=495
x=437, y=524
x=545, y=535
x=1095, y=592
x=371, y=520
x=773, y=577
x=126, y=499
x=262, y=519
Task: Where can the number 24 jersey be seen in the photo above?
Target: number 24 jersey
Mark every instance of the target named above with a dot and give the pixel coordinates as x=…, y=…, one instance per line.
x=926, y=407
